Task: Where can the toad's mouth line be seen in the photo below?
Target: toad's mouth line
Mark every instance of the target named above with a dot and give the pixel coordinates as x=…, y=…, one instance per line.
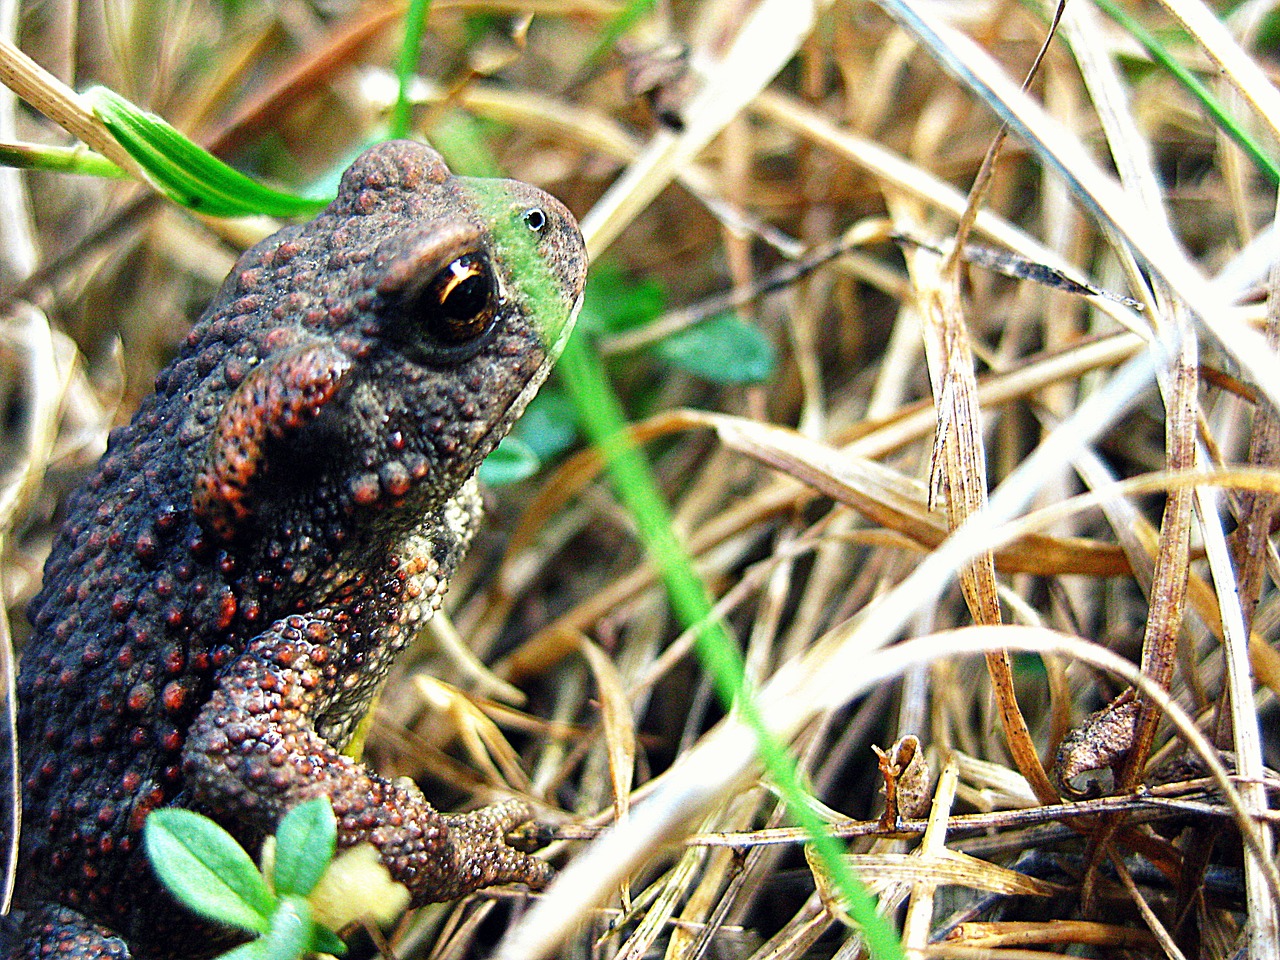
x=521, y=400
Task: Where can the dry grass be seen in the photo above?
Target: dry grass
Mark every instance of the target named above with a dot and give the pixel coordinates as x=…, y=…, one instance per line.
x=862, y=555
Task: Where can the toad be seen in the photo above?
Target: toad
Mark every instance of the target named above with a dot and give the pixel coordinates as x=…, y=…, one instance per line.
x=232, y=582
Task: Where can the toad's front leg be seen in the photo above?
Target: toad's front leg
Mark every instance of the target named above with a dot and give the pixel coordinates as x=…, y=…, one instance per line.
x=253, y=753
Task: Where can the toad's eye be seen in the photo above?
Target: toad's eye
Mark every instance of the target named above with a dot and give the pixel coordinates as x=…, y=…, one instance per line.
x=536, y=220
x=460, y=302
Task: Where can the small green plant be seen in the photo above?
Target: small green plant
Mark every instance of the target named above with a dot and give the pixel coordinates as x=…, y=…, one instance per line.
x=723, y=348
x=207, y=871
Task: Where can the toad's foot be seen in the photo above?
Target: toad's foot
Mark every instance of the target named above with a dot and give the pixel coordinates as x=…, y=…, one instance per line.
x=487, y=855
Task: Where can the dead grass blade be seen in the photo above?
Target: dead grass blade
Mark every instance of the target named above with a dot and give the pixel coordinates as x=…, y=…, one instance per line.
x=305, y=76
x=932, y=865
x=798, y=936
x=458, y=653
x=767, y=39
x=31, y=372
x=945, y=951
x=10, y=772
x=1238, y=647
x=958, y=464
x=1169, y=581
x=912, y=181
x=618, y=853
x=727, y=878
x=1234, y=63
x=947, y=868
x=958, y=475
x=1149, y=915
x=871, y=439
x=619, y=729
x=916, y=925
x=1139, y=541
x=1004, y=790
x=837, y=669
x=1252, y=548
x=29, y=340
x=1256, y=511
x=484, y=742
x=1095, y=191
x=1014, y=933
x=896, y=501
x=671, y=892
x=1180, y=389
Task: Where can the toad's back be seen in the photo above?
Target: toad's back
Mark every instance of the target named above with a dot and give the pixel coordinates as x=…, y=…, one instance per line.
x=232, y=582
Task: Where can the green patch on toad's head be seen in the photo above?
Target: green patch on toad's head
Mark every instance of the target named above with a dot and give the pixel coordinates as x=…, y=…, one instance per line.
x=538, y=243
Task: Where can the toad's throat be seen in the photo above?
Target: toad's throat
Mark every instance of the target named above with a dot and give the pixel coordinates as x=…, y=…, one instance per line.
x=366, y=647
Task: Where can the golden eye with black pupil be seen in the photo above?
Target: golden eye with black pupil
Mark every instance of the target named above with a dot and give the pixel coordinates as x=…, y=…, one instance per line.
x=460, y=302
x=536, y=220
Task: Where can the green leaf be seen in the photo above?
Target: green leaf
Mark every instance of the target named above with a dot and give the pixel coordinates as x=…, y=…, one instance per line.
x=324, y=940
x=511, y=462
x=547, y=429
x=461, y=140
x=549, y=426
x=615, y=302
x=188, y=174
x=724, y=349
x=305, y=842
x=206, y=869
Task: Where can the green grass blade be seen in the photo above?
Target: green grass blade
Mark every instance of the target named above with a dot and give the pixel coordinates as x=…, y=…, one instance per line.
x=628, y=17
x=1212, y=105
x=185, y=172
x=602, y=419
x=415, y=22
x=37, y=156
